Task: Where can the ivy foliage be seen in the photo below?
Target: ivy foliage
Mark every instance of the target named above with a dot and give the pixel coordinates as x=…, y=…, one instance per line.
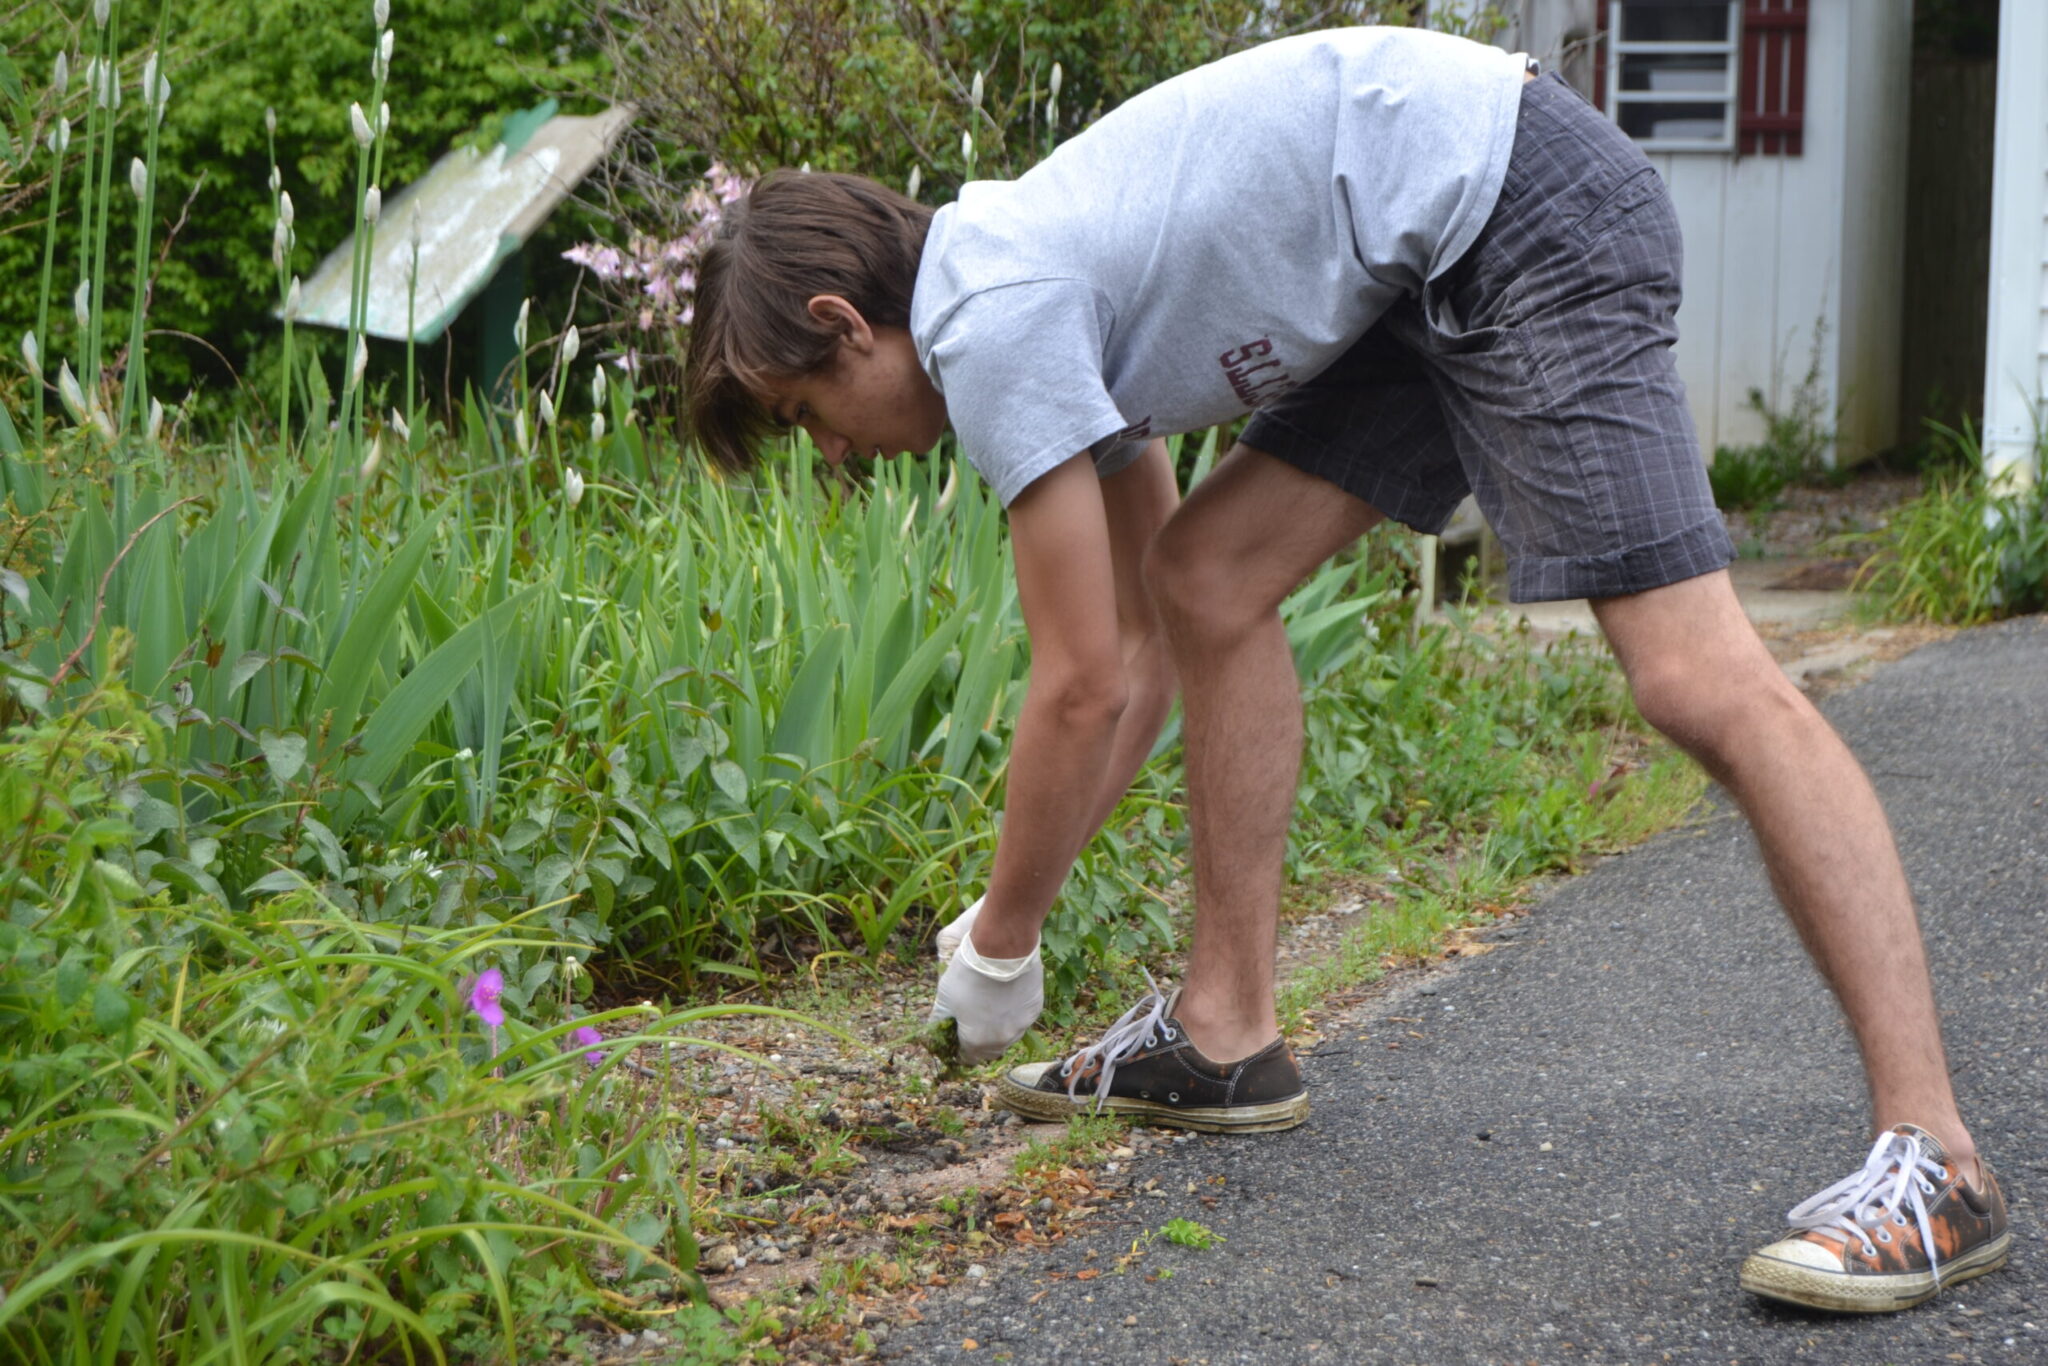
x=458, y=68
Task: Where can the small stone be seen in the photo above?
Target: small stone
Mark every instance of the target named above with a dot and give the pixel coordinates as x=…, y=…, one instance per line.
x=1045, y=1202
x=717, y=1258
x=896, y=1206
x=1543, y=1147
x=1427, y=991
x=1130, y=1320
x=625, y=1341
x=770, y=1255
x=976, y=1271
x=1121, y=1152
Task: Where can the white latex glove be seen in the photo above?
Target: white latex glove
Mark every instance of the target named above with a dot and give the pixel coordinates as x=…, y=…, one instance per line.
x=993, y=1011
x=953, y=935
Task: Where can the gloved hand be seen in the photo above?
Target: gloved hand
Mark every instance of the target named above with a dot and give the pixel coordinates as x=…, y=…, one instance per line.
x=993, y=1003
x=953, y=935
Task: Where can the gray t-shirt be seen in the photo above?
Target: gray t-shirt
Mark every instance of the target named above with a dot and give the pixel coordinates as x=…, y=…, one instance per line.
x=1207, y=245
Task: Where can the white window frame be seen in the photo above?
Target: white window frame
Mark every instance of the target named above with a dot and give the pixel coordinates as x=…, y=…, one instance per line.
x=1728, y=98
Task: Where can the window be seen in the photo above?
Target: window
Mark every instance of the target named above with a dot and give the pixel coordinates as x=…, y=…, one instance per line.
x=1671, y=73
x=1704, y=75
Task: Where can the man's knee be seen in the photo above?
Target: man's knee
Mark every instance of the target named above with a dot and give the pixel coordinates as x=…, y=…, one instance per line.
x=1196, y=589
x=1712, y=709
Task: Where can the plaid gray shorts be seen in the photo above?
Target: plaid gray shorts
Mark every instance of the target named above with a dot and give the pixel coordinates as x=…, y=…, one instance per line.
x=1536, y=374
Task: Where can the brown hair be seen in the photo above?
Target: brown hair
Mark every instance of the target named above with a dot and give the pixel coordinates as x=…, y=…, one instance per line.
x=796, y=235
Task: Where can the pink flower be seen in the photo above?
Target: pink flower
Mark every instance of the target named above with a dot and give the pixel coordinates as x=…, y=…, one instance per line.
x=586, y=1036
x=484, y=994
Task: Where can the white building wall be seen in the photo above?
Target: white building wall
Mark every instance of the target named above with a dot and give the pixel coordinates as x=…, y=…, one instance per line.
x=2016, y=349
x=1777, y=245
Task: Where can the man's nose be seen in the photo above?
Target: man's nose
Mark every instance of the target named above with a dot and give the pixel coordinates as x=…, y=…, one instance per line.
x=830, y=445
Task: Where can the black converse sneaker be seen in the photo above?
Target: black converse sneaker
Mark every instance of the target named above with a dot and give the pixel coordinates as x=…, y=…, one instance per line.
x=1145, y=1069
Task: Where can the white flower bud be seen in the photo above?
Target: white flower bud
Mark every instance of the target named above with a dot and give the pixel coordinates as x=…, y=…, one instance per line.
x=398, y=425
x=384, y=117
x=276, y=180
x=59, y=140
x=359, y=124
x=597, y=387
x=31, y=353
x=68, y=390
x=916, y=181
x=103, y=423
x=1053, y=84
x=384, y=42
x=596, y=428
x=547, y=409
x=381, y=12
x=967, y=148
x=974, y=91
x=270, y=120
x=81, y=303
x=1052, y=113
x=148, y=83
x=373, y=205
x=60, y=79
x=572, y=485
x=519, y=433
x=138, y=177
x=373, y=459
x=156, y=417
x=287, y=213
x=519, y=327
x=572, y=342
x=291, y=300
x=163, y=96
x=280, y=243
x=360, y=363
x=101, y=9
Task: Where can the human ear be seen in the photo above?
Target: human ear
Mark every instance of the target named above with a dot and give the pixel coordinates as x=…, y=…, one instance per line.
x=842, y=317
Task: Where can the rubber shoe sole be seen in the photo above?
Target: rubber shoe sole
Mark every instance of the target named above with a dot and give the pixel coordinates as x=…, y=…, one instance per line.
x=1057, y=1106
x=1841, y=1293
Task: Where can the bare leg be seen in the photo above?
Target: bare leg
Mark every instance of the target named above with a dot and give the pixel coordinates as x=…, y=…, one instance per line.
x=1700, y=675
x=1218, y=572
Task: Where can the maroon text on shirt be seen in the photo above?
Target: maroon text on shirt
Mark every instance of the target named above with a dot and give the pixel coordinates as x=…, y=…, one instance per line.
x=1254, y=375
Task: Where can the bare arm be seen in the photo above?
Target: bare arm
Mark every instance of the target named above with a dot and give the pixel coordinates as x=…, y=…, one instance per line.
x=1071, y=745
x=1137, y=500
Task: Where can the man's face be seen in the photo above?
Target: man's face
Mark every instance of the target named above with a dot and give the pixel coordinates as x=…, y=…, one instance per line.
x=875, y=400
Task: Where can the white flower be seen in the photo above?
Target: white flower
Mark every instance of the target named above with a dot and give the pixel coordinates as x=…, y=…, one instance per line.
x=1052, y=113
x=571, y=967
x=572, y=485
x=519, y=327
x=967, y=148
x=60, y=78
x=384, y=42
x=974, y=92
x=60, y=137
x=68, y=390
x=81, y=303
x=138, y=177
x=360, y=363
x=148, y=83
x=372, y=460
x=572, y=342
x=163, y=96
x=398, y=425
x=464, y=755
x=100, y=10
x=519, y=433
x=156, y=417
x=276, y=179
x=1054, y=83
x=270, y=119
x=373, y=205
x=31, y=353
x=287, y=213
x=106, y=88
x=596, y=428
x=597, y=388
x=291, y=300
x=384, y=117
x=280, y=243
x=547, y=409
x=381, y=12
x=359, y=124
x=916, y=181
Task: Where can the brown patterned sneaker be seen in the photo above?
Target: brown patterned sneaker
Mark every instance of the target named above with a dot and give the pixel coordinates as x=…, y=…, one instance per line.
x=1894, y=1235
x=1145, y=1069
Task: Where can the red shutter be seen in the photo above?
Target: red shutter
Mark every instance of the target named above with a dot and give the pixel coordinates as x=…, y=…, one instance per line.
x=1602, y=27
x=1771, y=104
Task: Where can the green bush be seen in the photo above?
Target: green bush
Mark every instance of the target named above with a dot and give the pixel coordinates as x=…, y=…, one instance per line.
x=456, y=70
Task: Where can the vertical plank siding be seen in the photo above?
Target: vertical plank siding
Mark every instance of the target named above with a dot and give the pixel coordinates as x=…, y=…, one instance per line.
x=1947, y=277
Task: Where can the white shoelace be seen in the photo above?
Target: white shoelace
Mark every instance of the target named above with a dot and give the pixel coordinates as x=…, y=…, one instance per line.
x=1893, y=1179
x=1139, y=1027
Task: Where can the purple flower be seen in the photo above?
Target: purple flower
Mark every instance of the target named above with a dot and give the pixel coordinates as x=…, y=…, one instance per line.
x=484, y=994
x=586, y=1036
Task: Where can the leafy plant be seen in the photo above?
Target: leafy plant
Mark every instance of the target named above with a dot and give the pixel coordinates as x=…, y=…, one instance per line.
x=1188, y=1233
